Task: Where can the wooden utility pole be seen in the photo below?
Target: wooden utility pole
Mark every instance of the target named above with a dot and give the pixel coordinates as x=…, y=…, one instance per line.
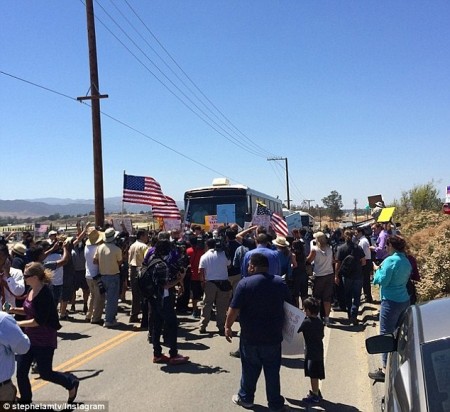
x=309, y=204
x=288, y=201
x=95, y=110
x=355, y=202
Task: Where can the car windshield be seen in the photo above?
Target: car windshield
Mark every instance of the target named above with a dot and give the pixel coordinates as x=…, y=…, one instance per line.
x=436, y=361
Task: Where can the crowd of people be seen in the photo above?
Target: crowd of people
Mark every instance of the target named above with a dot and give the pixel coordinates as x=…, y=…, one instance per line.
x=244, y=275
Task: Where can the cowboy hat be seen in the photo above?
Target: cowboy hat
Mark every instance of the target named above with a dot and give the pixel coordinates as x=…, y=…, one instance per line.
x=94, y=237
x=19, y=249
x=280, y=241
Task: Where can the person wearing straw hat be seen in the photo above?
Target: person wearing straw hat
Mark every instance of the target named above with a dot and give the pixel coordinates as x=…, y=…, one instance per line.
x=108, y=257
x=18, y=252
x=286, y=258
x=97, y=298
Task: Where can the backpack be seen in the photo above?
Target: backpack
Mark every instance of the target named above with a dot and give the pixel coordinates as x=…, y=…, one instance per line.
x=146, y=279
x=348, y=265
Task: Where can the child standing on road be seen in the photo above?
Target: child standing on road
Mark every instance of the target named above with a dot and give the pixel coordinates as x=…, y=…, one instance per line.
x=312, y=329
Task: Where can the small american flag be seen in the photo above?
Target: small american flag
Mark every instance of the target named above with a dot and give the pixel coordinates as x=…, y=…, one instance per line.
x=279, y=225
x=40, y=228
x=265, y=217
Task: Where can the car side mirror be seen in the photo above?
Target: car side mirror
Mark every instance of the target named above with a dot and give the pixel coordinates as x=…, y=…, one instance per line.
x=381, y=344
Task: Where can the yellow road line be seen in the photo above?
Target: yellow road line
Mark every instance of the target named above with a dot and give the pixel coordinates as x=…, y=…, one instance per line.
x=86, y=356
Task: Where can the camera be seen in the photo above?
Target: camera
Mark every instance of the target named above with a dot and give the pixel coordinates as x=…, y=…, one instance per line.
x=101, y=286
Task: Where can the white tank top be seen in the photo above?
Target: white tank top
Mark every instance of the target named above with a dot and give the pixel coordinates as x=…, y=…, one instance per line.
x=323, y=261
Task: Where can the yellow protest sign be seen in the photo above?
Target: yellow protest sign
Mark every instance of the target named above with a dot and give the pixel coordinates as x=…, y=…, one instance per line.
x=386, y=214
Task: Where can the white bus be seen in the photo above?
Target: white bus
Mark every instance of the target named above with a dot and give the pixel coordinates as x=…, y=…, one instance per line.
x=238, y=202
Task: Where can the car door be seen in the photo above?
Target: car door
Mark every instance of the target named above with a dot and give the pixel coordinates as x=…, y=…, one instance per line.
x=398, y=383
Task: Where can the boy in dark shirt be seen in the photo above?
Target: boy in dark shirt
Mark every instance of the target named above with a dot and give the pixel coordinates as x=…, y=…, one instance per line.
x=312, y=329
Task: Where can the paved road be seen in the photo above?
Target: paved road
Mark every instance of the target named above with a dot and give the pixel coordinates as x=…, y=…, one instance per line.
x=115, y=366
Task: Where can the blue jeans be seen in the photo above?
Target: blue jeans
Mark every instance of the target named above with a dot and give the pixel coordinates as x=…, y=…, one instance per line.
x=390, y=313
x=44, y=359
x=163, y=312
x=253, y=359
x=352, y=291
x=112, y=287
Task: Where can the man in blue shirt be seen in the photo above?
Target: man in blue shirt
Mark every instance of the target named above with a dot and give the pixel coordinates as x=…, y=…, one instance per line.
x=12, y=341
x=259, y=302
x=263, y=247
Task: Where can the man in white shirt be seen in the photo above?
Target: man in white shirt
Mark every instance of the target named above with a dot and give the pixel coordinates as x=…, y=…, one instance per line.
x=368, y=267
x=213, y=268
x=11, y=280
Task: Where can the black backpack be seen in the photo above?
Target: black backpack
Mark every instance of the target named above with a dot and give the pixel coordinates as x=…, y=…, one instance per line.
x=349, y=265
x=147, y=280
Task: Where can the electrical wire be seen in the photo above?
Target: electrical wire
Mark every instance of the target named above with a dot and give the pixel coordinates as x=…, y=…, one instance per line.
x=224, y=133
x=121, y=123
x=194, y=84
x=207, y=107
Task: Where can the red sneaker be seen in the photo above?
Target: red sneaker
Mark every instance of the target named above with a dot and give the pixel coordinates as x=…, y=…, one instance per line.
x=161, y=359
x=178, y=360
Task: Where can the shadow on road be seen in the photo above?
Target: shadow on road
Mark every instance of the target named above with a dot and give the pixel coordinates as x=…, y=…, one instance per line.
x=93, y=373
x=194, y=369
x=293, y=363
x=72, y=336
x=324, y=405
x=192, y=346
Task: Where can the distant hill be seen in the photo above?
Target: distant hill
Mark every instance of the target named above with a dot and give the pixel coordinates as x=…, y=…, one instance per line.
x=50, y=206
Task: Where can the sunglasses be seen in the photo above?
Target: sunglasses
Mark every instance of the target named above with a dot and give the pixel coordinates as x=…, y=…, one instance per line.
x=28, y=276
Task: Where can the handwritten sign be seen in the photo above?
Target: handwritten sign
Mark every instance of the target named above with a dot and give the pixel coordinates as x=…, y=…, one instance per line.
x=294, y=221
x=292, y=341
x=172, y=224
x=226, y=213
x=117, y=224
x=211, y=222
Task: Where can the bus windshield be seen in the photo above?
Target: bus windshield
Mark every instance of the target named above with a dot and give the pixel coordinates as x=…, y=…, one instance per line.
x=200, y=207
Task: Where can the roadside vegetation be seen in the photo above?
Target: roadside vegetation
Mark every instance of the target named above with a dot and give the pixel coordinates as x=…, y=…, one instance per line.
x=428, y=231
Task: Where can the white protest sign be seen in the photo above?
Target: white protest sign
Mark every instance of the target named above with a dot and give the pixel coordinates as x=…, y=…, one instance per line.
x=126, y=221
x=172, y=224
x=292, y=341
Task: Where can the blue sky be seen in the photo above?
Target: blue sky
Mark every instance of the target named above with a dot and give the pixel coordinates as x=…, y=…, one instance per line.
x=356, y=94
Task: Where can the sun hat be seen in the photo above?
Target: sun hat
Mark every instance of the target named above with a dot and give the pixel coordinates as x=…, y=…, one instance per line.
x=280, y=241
x=94, y=237
x=318, y=234
x=19, y=249
x=110, y=235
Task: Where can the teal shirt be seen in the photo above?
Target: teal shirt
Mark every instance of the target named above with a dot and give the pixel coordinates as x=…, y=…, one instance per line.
x=392, y=276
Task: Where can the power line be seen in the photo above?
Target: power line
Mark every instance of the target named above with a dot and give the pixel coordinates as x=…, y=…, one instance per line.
x=192, y=82
x=121, y=123
x=224, y=134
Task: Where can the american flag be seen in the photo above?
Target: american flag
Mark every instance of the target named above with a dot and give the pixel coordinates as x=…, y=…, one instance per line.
x=168, y=210
x=147, y=191
x=265, y=217
x=279, y=225
x=40, y=229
